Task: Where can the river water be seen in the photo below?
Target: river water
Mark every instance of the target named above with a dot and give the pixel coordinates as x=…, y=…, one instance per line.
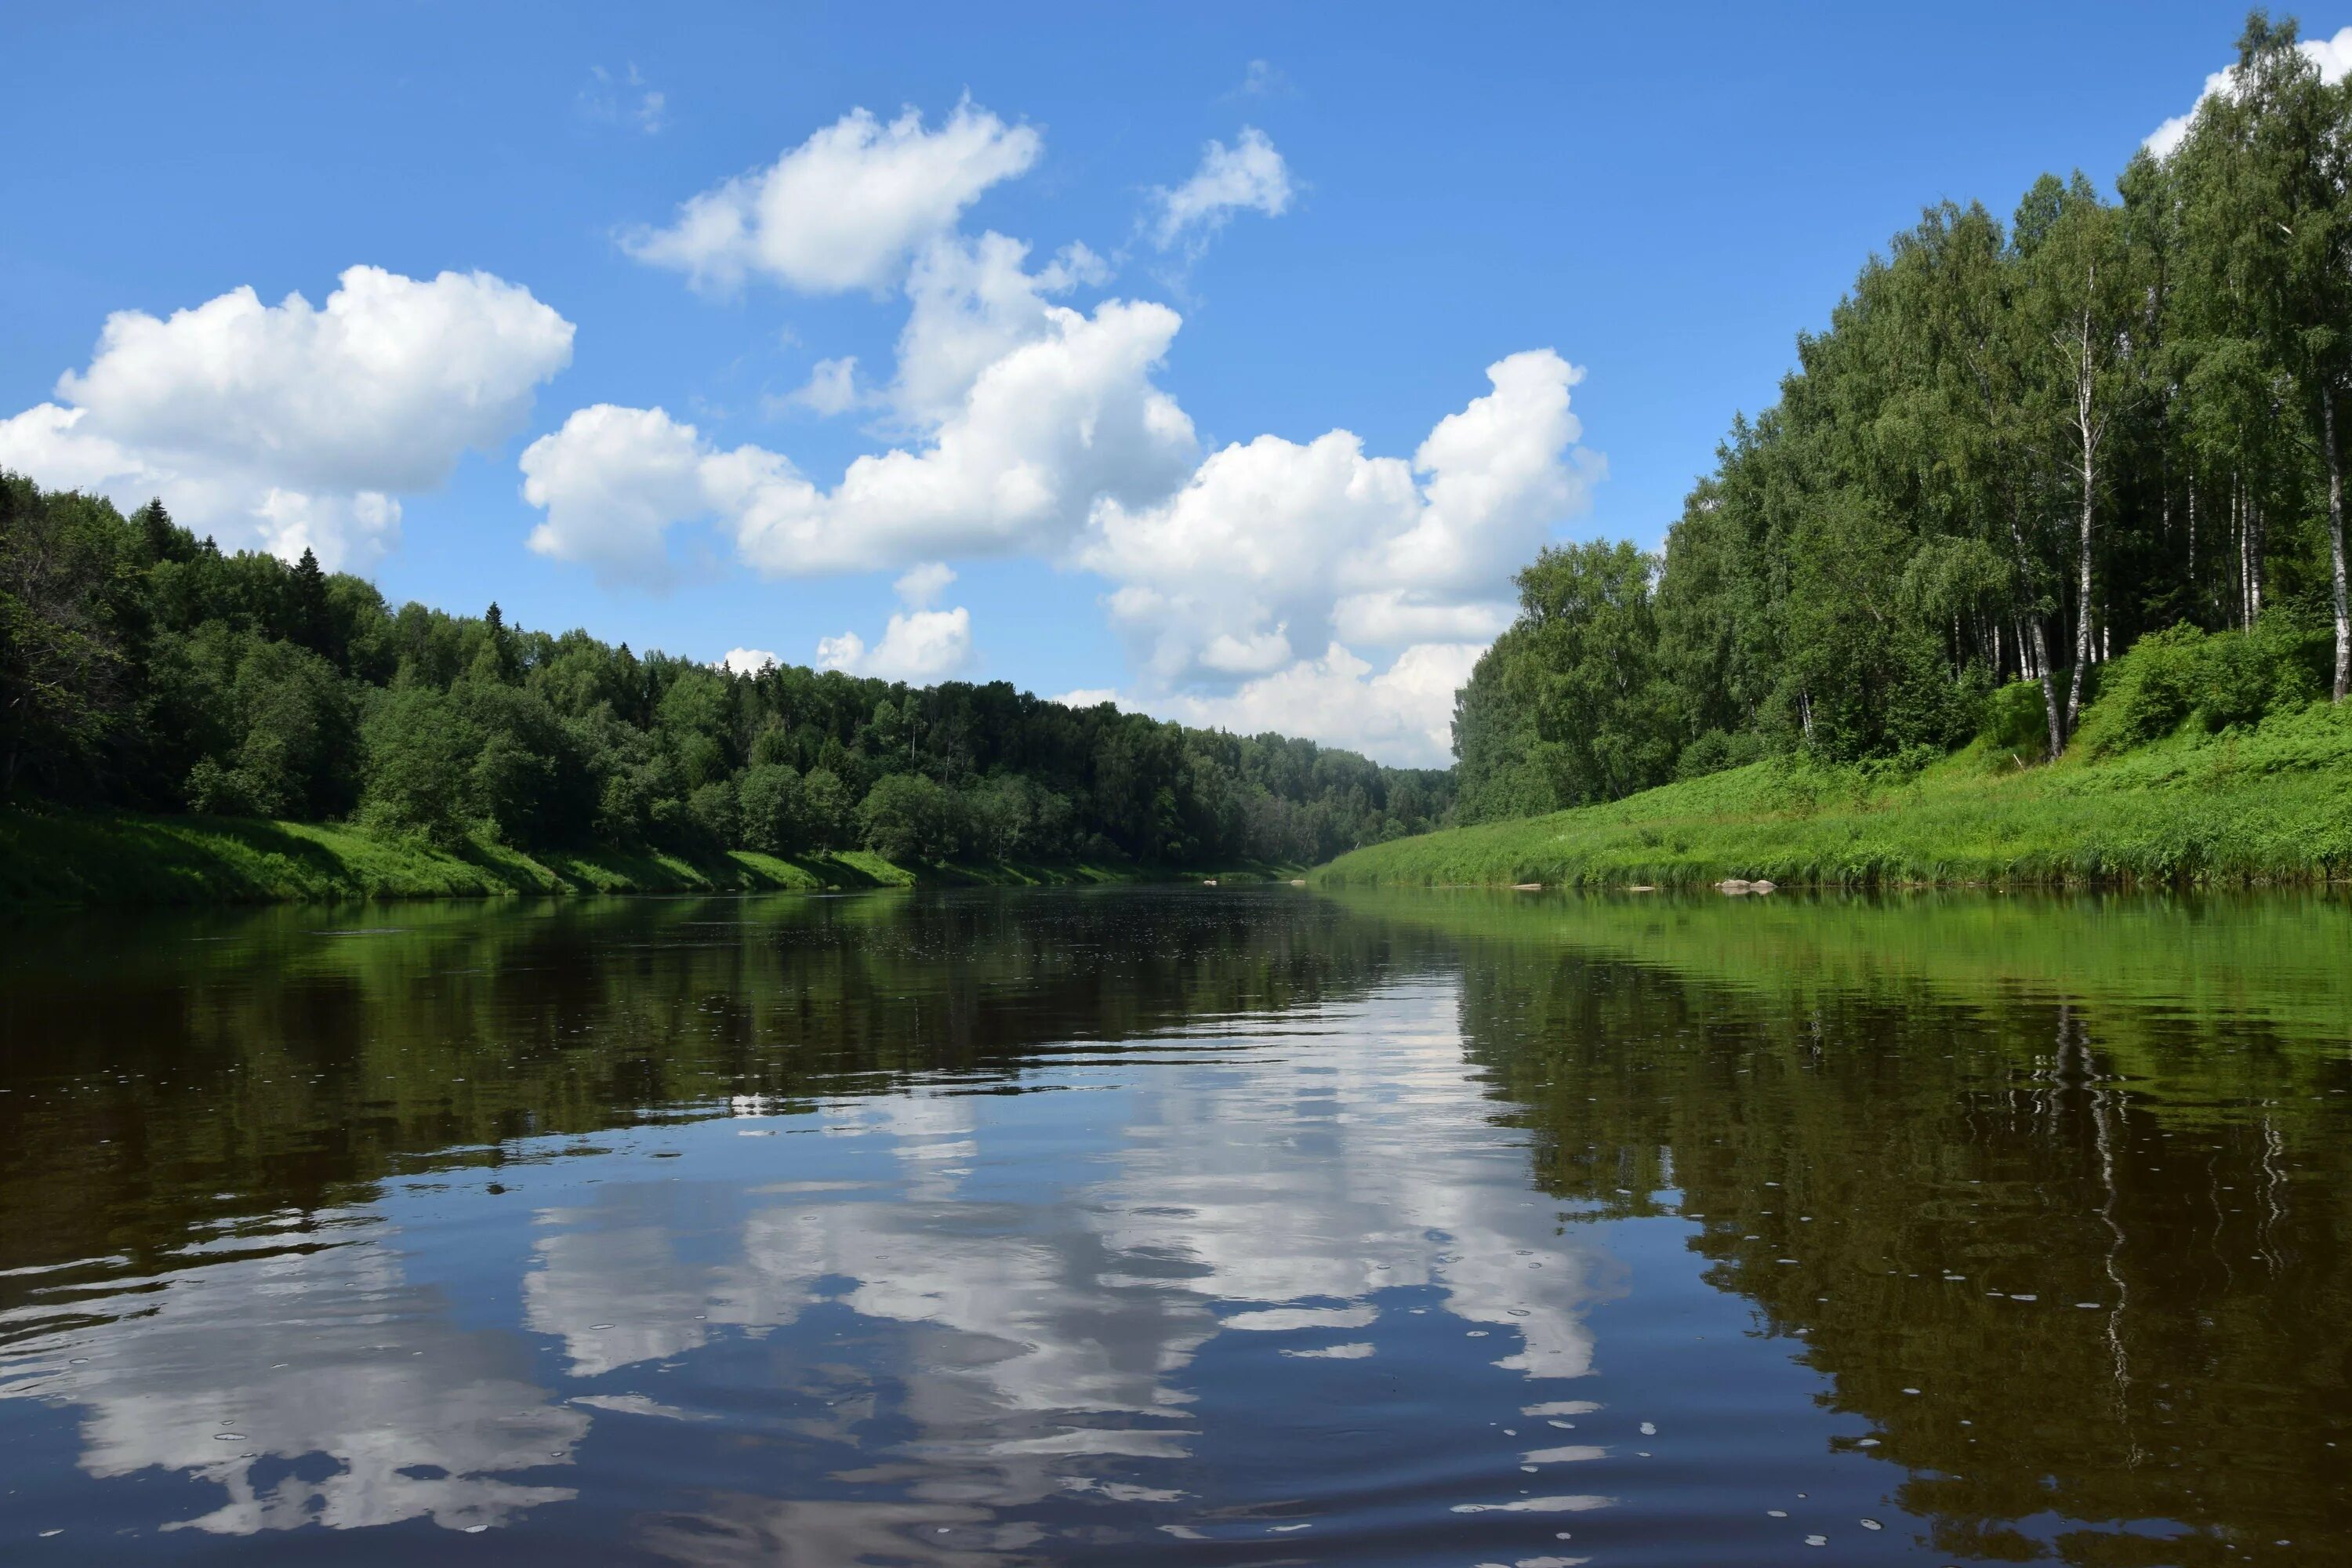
x=1190, y=1226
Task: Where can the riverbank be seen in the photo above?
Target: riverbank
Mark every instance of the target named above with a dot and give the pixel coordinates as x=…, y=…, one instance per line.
x=120, y=857
x=2269, y=803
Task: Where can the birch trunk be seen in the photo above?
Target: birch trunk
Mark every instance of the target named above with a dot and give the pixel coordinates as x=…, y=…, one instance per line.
x=2335, y=544
x=2089, y=432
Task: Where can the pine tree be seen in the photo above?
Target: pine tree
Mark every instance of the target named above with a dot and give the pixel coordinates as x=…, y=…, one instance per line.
x=312, y=626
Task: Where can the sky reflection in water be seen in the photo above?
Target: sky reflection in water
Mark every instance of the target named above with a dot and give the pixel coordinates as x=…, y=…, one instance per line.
x=1245, y=1228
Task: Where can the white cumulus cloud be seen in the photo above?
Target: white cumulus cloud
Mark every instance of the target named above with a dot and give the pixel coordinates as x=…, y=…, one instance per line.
x=747, y=661
x=2332, y=56
x=1402, y=715
x=294, y=425
x=611, y=481
x=832, y=387
x=1040, y=436
x=921, y=585
x=1275, y=542
x=1248, y=176
x=971, y=301
x=1313, y=586
x=846, y=208
x=919, y=646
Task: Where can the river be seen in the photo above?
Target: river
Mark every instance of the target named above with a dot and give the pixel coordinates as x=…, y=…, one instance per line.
x=1180, y=1226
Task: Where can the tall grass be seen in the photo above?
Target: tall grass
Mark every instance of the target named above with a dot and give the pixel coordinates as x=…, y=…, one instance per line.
x=2261, y=802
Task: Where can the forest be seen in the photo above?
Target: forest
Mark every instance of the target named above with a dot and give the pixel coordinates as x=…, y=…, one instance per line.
x=2016, y=455
x=141, y=667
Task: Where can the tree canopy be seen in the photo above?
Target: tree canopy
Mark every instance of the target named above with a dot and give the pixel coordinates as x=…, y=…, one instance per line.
x=140, y=666
x=2015, y=450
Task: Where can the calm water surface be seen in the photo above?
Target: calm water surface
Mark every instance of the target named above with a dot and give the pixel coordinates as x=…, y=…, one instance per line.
x=1183, y=1226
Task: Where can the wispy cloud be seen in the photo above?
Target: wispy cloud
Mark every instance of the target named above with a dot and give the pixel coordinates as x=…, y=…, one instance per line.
x=623, y=99
x=1248, y=176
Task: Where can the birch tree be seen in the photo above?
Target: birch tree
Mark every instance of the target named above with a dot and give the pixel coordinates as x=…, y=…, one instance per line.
x=2264, y=182
x=2082, y=298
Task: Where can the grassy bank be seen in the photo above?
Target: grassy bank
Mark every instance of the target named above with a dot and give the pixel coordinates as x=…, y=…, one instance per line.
x=117, y=858
x=2259, y=804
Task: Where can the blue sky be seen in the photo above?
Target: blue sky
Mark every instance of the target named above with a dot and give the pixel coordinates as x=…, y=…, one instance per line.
x=1397, y=199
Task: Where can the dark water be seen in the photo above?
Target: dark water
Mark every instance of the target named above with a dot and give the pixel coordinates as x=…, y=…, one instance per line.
x=1183, y=1226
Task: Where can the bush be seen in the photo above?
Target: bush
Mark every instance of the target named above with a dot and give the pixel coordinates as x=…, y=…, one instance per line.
x=624, y=809
x=671, y=825
x=2220, y=679
x=2282, y=663
x=2148, y=693
x=2017, y=720
x=1716, y=751
x=2236, y=679
x=215, y=791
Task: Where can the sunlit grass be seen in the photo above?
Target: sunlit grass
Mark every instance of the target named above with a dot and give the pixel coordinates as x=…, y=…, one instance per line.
x=2266, y=802
x=122, y=857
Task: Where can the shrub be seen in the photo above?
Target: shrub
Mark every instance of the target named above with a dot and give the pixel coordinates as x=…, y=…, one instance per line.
x=1716, y=751
x=2017, y=720
x=2148, y=692
x=2281, y=663
x=215, y=791
x=2219, y=680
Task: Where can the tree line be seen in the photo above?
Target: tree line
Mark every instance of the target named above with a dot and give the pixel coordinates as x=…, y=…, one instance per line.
x=143, y=668
x=2015, y=452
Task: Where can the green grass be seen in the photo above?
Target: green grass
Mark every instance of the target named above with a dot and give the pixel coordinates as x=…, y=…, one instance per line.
x=2267, y=802
x=123, y=859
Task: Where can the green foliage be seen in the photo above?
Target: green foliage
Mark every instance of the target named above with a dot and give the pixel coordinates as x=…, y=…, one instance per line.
x=2221, y=679
x=1570, y=705
x=713, y=810
x=141, y=667
x=2013, y=457
x=2271, y=802
x=907, y=816
x=2015, y=723
x=1716, y=751
x=420, y=751
x=69, y=623
x=825, y=810
x=772, y=809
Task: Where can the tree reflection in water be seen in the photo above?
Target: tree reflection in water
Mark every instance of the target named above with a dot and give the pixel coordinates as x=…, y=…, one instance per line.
x=1376, y=1230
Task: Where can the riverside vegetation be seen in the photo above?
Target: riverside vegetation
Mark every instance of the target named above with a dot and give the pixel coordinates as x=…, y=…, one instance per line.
x=190, y=724
x=2035, y=572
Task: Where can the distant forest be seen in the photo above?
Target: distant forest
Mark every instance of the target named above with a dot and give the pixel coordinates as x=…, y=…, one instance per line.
x=2016, y=453
x=142, y=668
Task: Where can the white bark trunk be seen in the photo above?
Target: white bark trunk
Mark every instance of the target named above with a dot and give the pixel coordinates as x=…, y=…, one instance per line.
x=2083, y=541
x=2335, y=545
